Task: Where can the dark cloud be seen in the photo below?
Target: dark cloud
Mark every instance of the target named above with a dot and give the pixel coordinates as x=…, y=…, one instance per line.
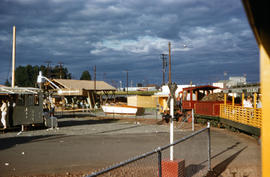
x=208, y=38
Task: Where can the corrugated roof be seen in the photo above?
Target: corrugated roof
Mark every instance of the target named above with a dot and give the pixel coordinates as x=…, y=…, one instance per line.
x=19, y=90
x=83, y=84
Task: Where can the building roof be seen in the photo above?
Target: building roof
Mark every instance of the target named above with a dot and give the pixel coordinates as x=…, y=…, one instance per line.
x=83, y=84
x=18, y=90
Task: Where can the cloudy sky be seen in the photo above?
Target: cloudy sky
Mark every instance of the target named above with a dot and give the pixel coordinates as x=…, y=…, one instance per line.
x=208, y=38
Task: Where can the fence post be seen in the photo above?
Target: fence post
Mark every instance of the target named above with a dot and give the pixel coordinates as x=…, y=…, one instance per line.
x=159, y=163
x=209, y=147
x=193, y=120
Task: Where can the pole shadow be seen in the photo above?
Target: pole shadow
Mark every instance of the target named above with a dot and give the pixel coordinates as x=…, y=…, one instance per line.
x=221, y=167
x=193, y=169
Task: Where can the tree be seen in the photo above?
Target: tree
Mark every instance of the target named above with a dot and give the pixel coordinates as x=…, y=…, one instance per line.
x=26, y=76
x=85, y=76
x=7, y=83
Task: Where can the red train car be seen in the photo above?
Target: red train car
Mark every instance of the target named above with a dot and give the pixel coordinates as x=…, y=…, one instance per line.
x=192, y=99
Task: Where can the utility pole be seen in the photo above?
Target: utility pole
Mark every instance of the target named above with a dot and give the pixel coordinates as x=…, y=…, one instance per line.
x=13, y=56
x=120, y=84
x=127, y=82
x=48, y=69
x=60, y=69
x=164, y=65
x=95, y=79
x=170, y=76
x=104, y=76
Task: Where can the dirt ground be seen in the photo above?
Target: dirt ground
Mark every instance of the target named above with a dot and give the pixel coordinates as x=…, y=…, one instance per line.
x=84, y=144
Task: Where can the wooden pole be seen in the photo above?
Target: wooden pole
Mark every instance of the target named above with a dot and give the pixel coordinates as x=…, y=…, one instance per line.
x=89, y=98
x=170, y=71
x=13, y=57
x=95, y=79
x=127, y=83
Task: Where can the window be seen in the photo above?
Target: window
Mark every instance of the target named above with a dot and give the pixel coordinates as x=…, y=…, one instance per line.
x=36, y=100
x=21, y=100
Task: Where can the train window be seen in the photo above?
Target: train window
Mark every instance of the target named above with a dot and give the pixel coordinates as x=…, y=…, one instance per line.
x=20, y=100
x=36, y=100
x=184, y=95
x=188, y=96
x=30, y=100
x=194, y=97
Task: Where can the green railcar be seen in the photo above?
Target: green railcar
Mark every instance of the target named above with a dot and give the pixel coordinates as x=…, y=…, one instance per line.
x=25, y=105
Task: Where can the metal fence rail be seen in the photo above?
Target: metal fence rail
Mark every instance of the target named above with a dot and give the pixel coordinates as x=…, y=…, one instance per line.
x=159, y=151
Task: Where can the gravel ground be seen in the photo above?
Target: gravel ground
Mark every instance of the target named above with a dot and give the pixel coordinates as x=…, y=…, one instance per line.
x=83, y=145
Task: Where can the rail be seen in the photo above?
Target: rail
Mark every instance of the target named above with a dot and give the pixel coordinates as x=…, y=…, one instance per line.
x=247, y=116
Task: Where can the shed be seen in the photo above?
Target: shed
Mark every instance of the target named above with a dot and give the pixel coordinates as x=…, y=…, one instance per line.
x=83, y=88
x=80, y=87
x=142, y=101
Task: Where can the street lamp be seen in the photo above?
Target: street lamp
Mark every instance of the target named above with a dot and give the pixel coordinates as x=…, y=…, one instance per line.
x=41, y=79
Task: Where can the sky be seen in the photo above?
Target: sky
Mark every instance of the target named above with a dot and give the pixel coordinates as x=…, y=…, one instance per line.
x=211, y=40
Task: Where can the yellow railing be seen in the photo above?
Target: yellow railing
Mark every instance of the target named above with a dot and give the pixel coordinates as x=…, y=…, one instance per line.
x=247, y=116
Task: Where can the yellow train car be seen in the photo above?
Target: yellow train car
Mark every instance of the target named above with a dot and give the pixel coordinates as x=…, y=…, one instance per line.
x=258, y=14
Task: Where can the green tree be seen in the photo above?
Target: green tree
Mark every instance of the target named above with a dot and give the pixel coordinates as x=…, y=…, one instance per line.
x=85, y=76
x=26, y=76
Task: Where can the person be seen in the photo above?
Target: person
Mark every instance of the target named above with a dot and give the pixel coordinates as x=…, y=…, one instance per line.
x=259, y=103
x=52, y=108
x=179, y=101
x=82, y=105
x=248, y=102
x=4, y=113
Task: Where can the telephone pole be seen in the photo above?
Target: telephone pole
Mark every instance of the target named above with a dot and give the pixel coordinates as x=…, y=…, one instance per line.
x=48, y=69
x=127, y=82
x=60, y=69
x=95, y=79
x=164, y=66
x=13, y=57
x=170, y=71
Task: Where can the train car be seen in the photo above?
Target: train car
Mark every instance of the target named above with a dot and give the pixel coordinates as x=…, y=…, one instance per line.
x=193, y=98
x=229, y=110
x=25, y=105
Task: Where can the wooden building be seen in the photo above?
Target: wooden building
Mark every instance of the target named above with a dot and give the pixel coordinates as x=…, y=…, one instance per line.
x=84, y=89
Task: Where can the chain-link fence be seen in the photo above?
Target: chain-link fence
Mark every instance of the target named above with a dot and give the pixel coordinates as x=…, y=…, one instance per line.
x=191, y=159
